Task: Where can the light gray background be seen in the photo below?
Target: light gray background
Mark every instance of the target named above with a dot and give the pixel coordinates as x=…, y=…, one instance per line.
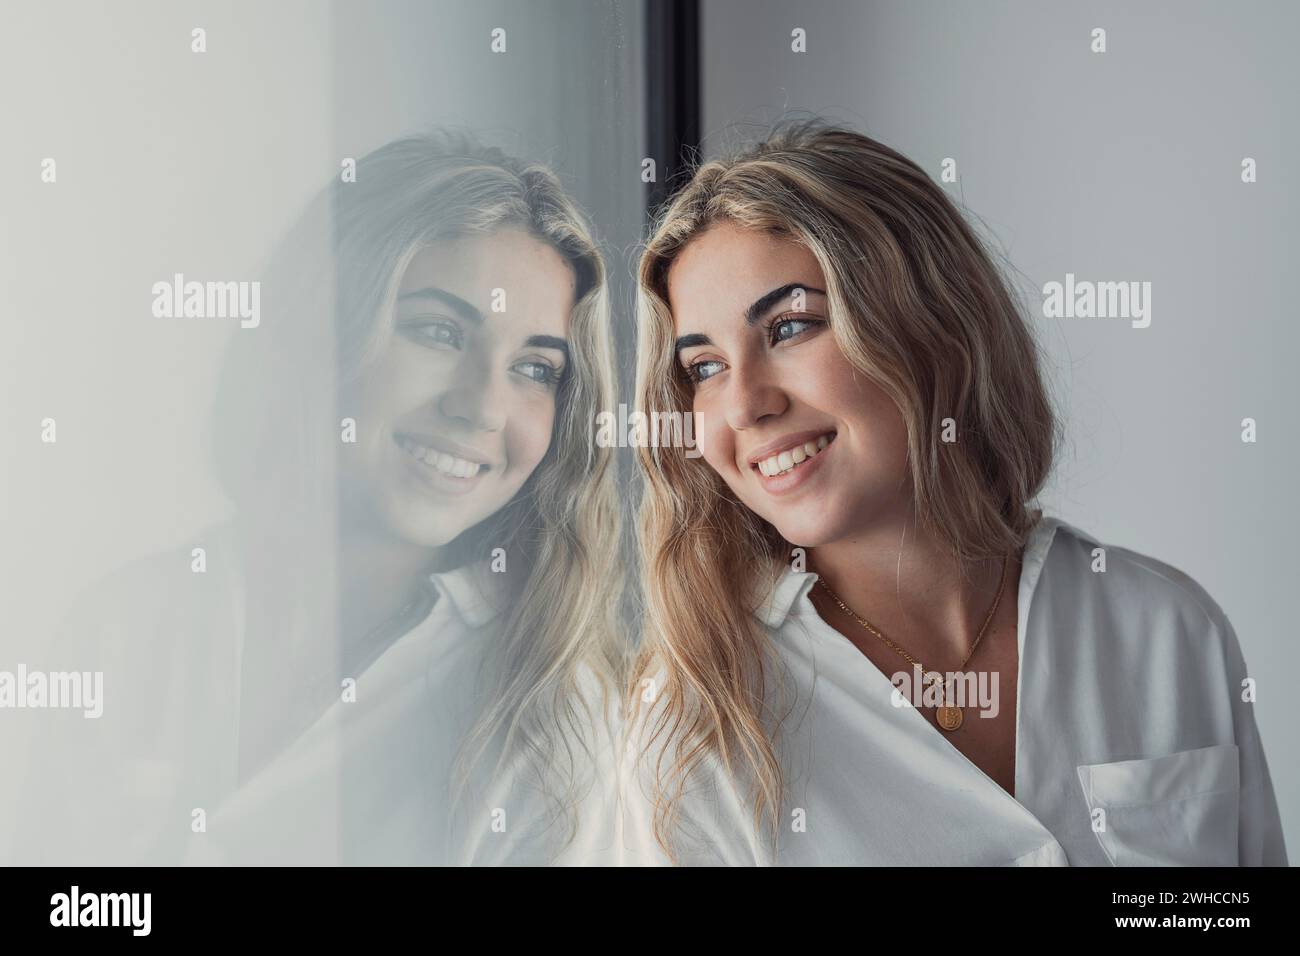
x=172, y=161
x=1117, y=166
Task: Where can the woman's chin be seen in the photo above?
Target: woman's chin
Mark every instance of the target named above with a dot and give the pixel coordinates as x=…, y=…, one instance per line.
x=805, y=534
x=417, y=524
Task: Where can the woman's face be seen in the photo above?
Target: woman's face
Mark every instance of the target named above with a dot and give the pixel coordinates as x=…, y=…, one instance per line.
x=457, y=411
x=799, y=435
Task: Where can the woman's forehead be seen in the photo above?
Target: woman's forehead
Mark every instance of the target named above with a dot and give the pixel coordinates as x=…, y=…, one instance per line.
x=725, y=269
x=489, y=260
x=500, y=274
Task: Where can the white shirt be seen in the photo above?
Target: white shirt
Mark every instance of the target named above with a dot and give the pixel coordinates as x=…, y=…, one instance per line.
x=368, y=781
x=1129, y=703
x=371, y=782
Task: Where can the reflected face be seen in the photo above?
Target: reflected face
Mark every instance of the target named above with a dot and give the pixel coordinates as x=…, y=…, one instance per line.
x=799, y=435
x=457, y=411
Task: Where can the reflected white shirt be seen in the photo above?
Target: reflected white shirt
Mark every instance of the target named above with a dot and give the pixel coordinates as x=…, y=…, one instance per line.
x=371, y=782
x=1133, y=743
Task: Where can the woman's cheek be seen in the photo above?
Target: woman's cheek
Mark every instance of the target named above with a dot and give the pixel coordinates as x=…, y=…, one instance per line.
x=710, y=439
x=720, y=454
x=532, y=433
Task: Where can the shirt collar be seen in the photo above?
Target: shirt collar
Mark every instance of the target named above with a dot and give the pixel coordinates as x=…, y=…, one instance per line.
x=793, y=585
x=469, y=591
x=790, y=587
x=1036, y=547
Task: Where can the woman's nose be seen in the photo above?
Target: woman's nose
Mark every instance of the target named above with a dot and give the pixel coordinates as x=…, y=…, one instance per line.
x=752, y=395
x=475, y=396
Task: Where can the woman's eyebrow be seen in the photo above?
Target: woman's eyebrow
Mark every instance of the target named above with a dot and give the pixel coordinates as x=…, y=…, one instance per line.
x=549, y=342
x=765, y=302
x=752, y=315
x=686, y=341
x=446, y=298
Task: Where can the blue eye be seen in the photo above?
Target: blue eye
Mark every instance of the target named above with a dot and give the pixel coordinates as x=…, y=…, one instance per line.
x=439, y=333
x=543, y=373
x=781, y=329
x=798, y=325
x=695, y=372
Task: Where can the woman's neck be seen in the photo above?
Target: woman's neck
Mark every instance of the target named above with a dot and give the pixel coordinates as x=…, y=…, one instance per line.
x=379, y=575
x=908, y=585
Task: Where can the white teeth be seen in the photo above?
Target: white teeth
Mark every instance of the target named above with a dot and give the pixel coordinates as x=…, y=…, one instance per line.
x=439, y=460
x=793, y=457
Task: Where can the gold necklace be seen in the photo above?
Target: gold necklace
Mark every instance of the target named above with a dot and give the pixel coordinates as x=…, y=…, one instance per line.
x=948, y=715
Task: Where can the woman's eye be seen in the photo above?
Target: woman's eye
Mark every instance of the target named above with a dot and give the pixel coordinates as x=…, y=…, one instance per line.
x=544, y=373
x=441, y=333
x=697, y=372
x=788, y=328
x=780, y=329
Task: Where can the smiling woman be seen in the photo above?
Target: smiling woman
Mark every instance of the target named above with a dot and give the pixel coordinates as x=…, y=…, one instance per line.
x=405, y=629
x=473, y=345
x=460, y=402
x=869, y=404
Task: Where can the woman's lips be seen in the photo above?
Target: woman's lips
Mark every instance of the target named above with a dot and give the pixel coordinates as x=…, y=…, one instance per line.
x=800, y=473
x=437, y=470
x=793, y=452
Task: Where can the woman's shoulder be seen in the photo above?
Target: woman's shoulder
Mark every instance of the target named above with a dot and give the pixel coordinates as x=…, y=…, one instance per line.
x=1140, y=589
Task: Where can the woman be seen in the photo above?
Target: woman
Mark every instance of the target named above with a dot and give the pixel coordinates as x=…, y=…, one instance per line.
x=476, y=349
x=398, y=648
x=864, y=646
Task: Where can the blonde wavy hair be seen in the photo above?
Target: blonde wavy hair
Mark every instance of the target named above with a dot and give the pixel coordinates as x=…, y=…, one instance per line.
x=916, y=304
x=338, y=271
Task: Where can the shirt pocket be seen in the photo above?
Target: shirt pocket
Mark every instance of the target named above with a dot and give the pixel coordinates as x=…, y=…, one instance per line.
x=1177, y=810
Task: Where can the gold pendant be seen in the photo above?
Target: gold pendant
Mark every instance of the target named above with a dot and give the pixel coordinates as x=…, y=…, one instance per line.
x=949, y=718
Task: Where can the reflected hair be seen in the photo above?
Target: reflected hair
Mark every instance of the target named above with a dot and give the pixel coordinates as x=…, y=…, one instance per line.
x=330, y=292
